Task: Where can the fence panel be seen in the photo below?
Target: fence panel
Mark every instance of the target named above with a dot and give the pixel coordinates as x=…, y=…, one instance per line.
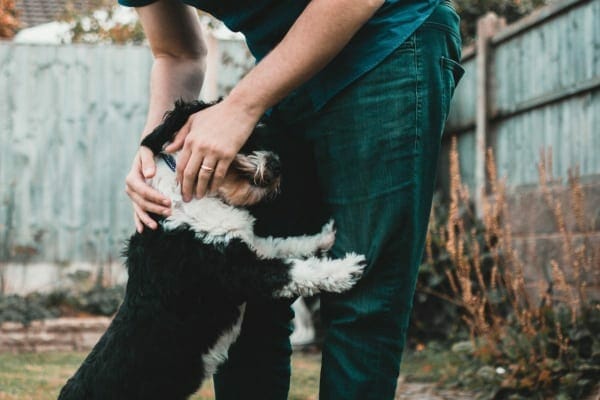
x=543, y=88
x=540, y=71
x=541, y=91
x=72, y=117
x=70, y=121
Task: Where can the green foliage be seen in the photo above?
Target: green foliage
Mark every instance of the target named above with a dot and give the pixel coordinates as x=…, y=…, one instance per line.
x=436, y=314
x=9, y=19
x=471, y=10
x=433, y=317
x=544, y=365
x=35, y=306
x=99, y=25
x=25, y=309
x=99, y=300
x=527, y=340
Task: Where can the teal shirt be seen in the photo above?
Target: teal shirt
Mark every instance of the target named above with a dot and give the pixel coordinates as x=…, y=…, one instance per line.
x=265, y=22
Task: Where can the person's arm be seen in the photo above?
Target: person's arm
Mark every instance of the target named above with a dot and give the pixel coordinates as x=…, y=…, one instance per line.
x=179, y=53
x=213, y=136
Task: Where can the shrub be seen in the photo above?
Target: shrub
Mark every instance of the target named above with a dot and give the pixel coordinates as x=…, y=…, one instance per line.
x=527, y=339
x=100, y=23
x=24, y=309
x=471, y=10
x=9, y=21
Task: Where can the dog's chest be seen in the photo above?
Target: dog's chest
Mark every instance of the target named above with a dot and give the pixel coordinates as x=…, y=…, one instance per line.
x=210, y=218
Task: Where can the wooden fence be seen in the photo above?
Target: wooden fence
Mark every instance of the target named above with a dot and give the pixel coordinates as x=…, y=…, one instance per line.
x=70, y=120
x=531, y=85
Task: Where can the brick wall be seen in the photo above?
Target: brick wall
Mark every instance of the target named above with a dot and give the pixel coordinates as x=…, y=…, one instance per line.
x=538, y=239
x=61, y=334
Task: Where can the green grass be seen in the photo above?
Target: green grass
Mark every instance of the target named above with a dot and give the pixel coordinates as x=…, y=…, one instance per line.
x=433, y=363
x=31, y=376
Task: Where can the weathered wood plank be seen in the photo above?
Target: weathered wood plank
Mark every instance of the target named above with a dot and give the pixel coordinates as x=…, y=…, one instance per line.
x=545, y=88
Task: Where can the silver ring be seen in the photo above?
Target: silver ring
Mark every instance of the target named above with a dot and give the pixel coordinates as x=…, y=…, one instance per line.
x=204, y=167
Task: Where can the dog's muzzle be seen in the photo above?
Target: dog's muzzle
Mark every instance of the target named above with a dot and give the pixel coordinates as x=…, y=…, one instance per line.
x=272, y=171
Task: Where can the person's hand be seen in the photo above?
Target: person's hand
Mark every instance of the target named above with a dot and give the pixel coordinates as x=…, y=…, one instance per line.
x=209, y=141
x=144, y=198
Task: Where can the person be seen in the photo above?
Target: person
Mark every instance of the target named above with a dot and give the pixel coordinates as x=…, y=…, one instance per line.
x=358, y=92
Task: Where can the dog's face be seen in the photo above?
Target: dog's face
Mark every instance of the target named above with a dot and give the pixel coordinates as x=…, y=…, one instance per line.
x=251, y=178
x=254, y=174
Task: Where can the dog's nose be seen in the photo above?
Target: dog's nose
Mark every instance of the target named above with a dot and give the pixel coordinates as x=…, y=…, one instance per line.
x=274, y=165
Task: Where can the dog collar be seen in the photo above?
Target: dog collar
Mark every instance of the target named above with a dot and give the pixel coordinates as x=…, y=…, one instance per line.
x=169, y=160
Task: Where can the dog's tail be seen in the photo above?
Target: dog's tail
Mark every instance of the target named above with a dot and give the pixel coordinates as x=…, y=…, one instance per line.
x=172, y=123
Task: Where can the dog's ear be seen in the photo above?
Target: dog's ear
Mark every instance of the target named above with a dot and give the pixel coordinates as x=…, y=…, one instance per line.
x=260, y=139
x=172, y=123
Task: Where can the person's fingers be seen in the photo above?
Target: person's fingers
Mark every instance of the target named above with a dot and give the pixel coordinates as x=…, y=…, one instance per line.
x=148, y=205
x=179, y=138
x=144, y=217
x=182, y=161
x=147, y=164
x=219, y=175
x=141, y=189
x=139, y=226
x=207, y=169
x=190, y=174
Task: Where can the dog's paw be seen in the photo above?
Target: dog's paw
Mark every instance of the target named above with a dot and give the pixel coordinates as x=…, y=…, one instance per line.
x=345, y=272
x=326, y=237
x=313, y=275
x=356, y=264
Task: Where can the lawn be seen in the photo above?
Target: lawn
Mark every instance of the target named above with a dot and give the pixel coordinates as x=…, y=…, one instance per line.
x=33, y=376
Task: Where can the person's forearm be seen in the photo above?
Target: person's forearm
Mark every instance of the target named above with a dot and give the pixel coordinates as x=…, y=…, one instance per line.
x=172, y=79
x=317, y=36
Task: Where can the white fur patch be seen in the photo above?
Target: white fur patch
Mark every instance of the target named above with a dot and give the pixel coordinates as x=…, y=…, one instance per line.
x=211, y=219
x=217, y=354
x=314, y=274
x=296, y=246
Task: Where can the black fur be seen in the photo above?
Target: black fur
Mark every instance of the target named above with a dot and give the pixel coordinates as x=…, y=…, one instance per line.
x=181, y=296
x=176, y=118
x=173, y=122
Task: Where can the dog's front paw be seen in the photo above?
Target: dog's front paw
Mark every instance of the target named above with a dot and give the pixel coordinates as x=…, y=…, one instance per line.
x=313, y=275
x=326, y=237
x=345, y=272
x=356, y=264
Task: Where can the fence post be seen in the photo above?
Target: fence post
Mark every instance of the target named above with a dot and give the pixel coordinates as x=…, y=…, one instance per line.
x=487, y=26
x=209, y=90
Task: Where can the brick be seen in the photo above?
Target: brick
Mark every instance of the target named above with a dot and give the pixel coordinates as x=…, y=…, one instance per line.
x=530, y=214
x=536, y=253
x=78, y=324
x=12, y=327
x=61, y=334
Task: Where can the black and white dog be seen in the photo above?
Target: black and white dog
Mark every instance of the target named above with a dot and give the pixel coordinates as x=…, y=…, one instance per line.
x=190, y=278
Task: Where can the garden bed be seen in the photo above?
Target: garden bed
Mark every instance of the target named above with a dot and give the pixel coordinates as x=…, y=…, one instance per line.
x=56, y=321
x=58, y=334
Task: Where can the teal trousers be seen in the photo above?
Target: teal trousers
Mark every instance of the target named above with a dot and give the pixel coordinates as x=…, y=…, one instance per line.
x=368, y=159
